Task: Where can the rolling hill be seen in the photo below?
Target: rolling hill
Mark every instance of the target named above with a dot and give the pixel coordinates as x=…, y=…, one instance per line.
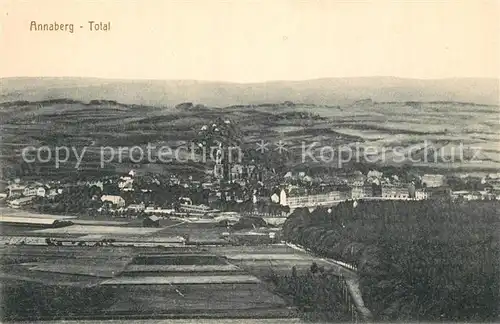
x=378, y=113
x=331, y=91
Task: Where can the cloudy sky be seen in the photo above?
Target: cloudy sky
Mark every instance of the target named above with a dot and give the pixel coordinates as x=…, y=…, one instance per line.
x=247, y=41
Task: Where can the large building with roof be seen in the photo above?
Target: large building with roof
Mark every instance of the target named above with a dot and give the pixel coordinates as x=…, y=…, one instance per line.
x=322, y=199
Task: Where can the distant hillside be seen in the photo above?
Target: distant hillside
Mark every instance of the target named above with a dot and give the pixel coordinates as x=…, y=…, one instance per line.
x=381, y=126
x=331, y=91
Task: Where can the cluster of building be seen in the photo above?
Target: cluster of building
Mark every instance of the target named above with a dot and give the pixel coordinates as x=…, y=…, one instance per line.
x=292, y=190
x=372, y=186
x=20, y=194
x=250, y=182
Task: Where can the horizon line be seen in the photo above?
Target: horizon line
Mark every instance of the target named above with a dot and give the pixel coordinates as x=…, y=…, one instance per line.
x=253, y=82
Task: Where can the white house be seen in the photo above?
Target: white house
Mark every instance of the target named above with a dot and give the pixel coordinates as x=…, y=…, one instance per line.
x=394, y=192
x=374, y=174
x=126, y=183
x=433, y=180
x=17, y=203
x=34, y=191
x=152, y=210
x=468, y=195
x=136, y=207
x=16, y=190
x=362, y=191
x=114, y=199
x=421, y=194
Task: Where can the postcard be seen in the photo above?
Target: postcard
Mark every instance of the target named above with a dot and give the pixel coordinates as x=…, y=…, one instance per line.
x=249, y=161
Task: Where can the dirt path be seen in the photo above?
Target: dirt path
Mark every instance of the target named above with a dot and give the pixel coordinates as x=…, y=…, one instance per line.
x=353, y=285
x=351, y=278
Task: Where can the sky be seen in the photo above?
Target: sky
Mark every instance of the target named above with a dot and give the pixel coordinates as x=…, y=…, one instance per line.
x=252, y=41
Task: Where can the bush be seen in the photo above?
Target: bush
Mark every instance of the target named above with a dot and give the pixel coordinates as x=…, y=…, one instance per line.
x=249, y=223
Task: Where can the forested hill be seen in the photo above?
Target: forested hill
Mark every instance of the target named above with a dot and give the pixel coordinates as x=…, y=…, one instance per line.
x=421, y=260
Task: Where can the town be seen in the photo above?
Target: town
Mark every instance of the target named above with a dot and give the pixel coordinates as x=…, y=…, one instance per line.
x=227, y=190
x=233, y=191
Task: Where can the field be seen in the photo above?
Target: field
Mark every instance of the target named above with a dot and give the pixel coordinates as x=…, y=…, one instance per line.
x=198, y=281
x=145, y=283
x=10, y=212
x=96, y=229
x=87, y=272
x=452, y=129
x=180, y=281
